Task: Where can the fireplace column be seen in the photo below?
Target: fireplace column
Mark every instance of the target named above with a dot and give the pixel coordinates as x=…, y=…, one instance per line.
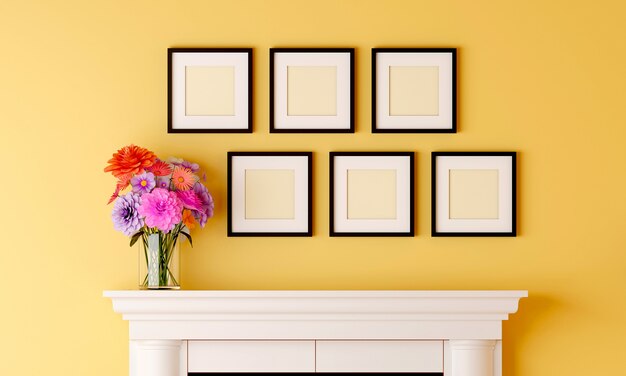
x=155, y=357
x=472, y=357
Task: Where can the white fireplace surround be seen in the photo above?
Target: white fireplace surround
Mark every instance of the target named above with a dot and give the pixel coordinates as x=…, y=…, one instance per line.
x=457, y=333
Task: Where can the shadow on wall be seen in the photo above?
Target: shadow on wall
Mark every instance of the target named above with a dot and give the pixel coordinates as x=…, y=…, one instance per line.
x=532, y=313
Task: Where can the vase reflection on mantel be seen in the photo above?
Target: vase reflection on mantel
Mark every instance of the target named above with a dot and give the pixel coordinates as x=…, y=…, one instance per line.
x=159, y=264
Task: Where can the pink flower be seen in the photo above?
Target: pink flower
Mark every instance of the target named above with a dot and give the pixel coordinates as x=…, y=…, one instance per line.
x=161, y=209
x=189, y=199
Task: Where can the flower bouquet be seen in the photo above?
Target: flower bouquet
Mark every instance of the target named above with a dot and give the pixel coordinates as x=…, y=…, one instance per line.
x=166, y=199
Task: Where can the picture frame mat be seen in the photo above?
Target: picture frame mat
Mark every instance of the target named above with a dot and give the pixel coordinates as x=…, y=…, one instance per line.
x=282, y=59
x=503, y=164
x=299, y=163
x=343, y=163
x=184, y=58
x=446, y=92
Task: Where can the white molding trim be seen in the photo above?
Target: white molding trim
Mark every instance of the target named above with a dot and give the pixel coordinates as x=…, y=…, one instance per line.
x=470, y=320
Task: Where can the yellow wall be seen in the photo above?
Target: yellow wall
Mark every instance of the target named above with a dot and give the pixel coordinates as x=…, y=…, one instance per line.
x=79, y=79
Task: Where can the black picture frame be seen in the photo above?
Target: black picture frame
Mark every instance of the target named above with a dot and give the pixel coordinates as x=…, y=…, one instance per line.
x=281, y=123
x=235, y=214
x=414, y=124
x=213, y=123
x=404, y=226
x=507, y=203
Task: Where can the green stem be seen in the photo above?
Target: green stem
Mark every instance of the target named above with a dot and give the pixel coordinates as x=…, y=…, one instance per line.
x=166, y=244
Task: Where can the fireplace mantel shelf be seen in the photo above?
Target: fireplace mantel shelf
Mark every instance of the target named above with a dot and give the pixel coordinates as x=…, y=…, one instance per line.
x=167, y=322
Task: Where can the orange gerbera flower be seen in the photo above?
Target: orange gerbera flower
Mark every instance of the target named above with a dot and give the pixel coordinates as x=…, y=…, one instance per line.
x=182, y=178
x=160, y=168
x=130, y=160
x=188, y=219
x=122, y=183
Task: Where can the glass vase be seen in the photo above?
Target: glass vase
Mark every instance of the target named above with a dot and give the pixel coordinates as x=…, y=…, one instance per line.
x=159, y=263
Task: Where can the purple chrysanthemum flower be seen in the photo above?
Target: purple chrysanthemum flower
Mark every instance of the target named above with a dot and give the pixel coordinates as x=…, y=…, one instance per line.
x=125, y=214
x=207, y=204
x=163, y=181
x=143, y=183
x=161, y=209
x=190, y=199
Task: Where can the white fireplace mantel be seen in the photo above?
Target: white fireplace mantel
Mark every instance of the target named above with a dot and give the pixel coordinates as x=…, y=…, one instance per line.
x=457, y=333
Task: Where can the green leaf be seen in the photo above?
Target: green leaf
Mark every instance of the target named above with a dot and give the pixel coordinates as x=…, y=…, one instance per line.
x=135, y=237
x=188, y=237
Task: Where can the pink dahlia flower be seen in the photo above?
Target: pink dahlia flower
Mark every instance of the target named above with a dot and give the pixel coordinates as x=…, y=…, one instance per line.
x=161, y=209
x=189, y=199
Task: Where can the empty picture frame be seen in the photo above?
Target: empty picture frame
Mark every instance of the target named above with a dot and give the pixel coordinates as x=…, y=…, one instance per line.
x=413, y=90
x=269, y=194
x=312, y=90
x=474, y=194
x=371, y=193
x=209, y=90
